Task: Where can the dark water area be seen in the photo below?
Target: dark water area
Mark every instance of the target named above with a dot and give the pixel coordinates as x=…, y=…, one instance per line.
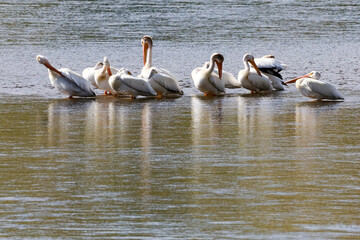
x=239, y=166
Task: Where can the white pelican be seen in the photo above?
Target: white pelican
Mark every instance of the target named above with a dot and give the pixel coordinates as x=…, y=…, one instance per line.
x=66, y=81
x=206, y=80
x=310, y=86
x=124, y=83
x=253, y=81
x=229, y=79
x=163, y=82
x=102, y=77
x=272, y=67
x=89, y=73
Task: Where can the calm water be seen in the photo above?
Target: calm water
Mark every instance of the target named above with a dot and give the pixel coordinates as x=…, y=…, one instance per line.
x=269, y=166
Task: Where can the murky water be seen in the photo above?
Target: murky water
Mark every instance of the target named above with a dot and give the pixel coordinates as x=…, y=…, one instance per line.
x=237, y=166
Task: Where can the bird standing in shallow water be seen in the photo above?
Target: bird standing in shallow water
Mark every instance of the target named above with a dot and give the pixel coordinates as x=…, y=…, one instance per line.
x=310, y=86
x=272, y=67
x=206, y=80
x=89, y=73
x=253, y=81
x=229, y=79
x=124, y=83
x=102, y=76
x=66, y=81
x=162, y=81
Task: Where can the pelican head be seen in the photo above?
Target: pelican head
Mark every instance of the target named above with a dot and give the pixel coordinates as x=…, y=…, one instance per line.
x=206, y=65
x=269, y=56
x=42, y=60
x=106, y=63
x=152, y=73
x=313, y=74
x=99, y=65
x=218, y=59
x=250, y=58
x=146, y=42
x=124, y=71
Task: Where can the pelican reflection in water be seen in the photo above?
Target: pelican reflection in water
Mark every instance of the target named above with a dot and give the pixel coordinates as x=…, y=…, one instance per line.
x=66, y=116
x=207, y=116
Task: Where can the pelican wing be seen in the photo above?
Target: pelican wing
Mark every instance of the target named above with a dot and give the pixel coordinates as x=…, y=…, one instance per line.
x=196, y=71
x=89, y=74
x=77, y=79
x=138, y=84
x=229, y=79
x=326, y=90
x=217, y=82
x=270, y=63
x=260, y=82
x=166, y=72
x=166, y=81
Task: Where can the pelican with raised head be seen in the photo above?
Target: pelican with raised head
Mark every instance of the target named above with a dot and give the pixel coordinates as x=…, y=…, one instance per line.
x=89, y=73
x=66, y=81
x=102, y=76
x=206, y=80
x=162, y=81
x=253, y=81
x=310, y=86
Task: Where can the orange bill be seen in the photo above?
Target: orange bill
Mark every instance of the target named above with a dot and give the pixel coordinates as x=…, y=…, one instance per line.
x=295, y=79
x=49, y=66
x=219, y=65
x=109, y=71
x=255, y=67
x=145, y=48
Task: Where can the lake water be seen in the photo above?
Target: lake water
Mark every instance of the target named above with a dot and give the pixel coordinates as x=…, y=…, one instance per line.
x=238, y=166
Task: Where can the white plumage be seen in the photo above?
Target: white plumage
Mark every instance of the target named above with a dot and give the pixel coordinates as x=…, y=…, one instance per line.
x=310, y=86
x=162, y=81
x=66, y=81
x=253, y=80
x=89, y=73
x=272, y=67
x=269, y=62
x=102, y=76
x=124, y=83
x=229, y=80
x=206, y=80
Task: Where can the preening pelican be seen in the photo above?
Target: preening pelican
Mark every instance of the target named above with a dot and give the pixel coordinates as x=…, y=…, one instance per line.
x=67, y=81
x=163, y=82
x=253, y=81
x=102, y=77
x=206, y=80
x=268, y=64
x=229, y=79
x=272, y=67
x=123, y=82
x=89, y=73
x=310, y=86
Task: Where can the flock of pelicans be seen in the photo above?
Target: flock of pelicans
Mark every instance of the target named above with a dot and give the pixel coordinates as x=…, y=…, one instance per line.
x=262, y=75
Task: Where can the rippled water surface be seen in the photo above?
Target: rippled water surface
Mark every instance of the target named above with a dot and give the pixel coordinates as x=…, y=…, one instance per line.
x=265, y=166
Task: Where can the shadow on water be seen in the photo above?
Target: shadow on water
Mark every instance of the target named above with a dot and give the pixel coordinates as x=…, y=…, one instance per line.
x=320, y=105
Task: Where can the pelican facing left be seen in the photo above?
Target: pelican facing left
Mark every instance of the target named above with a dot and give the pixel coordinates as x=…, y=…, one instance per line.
x=66, y=81
x=310, y=86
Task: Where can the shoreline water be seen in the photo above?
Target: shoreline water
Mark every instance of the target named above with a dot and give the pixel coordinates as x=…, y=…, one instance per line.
x=272, y=165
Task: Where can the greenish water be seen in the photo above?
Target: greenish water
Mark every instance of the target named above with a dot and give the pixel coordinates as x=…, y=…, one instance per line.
x=239, y=166
x=225, y=167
